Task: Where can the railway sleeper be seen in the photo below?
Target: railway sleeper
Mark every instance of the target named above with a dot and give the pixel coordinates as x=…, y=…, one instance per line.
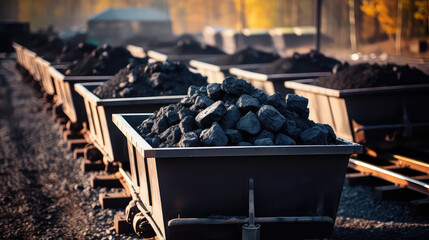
x=121, y=226
x=114, y=200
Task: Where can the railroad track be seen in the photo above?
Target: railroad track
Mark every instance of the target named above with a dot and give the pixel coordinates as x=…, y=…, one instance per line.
x=395, y=177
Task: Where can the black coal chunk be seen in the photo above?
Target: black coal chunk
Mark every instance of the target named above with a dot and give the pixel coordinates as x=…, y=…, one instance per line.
x=186, y=112
x=264, y=142
x=214, y=136
x=172, y=135
x=248, y=103
x=234, y=136
x=259, y=94
x=193, y=90
x=203, y=101
x=231, y=117
x=189, y=139
x=146, y=126
x=332, y=138
x=244, y=144
x=172, y=117
x=187, y=101
x=277, y=101
x=290, y=129
x=214, y=91
x=236, y=86
x=265, y=134
x=283, y=139
x=156, y=141
x=211, y=114
x=314, y=136
x=187, y=124
x=160, y=125
x=249, y=124
x=270, y=118
x=296, y=103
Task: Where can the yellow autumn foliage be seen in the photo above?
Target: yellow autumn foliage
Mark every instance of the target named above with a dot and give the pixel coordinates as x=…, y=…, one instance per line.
x=384, y=11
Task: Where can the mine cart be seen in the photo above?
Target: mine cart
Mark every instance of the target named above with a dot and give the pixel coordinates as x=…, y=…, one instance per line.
x=272, y=83
x=19, y=53
x=378, y=117
x=102, y=132
x=234, y=192
x=72, y=102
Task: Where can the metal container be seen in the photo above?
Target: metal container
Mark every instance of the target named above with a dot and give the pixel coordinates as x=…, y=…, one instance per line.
x=217, y=73
x=136, y=51
x=102, y=132
x=46, y=78
x=273, y=83
x=378, y=117
x=72, y=102
x=160, y=55
x=204, y=192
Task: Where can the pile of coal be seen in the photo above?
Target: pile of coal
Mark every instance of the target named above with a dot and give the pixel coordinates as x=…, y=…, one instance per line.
x=248, y=55
x=104, y=60
x=367, y=75
x=140, y=79
x=301, y=63
x=71, y=52
x=234, y=113
x=188, y=45
x=50, y=50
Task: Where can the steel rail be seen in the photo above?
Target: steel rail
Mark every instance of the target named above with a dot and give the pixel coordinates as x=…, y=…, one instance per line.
x=398, y=179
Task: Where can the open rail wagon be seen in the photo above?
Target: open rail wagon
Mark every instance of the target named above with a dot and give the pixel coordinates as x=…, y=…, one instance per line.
x=273, y=83
x=380, y=117
x=102, y=132
x=161, y=55
x=276, y=192
x=72, y=103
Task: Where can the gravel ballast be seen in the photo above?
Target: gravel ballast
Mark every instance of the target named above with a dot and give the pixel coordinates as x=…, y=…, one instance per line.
x=44, y=195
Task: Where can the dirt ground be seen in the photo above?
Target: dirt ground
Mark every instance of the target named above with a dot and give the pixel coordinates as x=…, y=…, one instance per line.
x=44, y=195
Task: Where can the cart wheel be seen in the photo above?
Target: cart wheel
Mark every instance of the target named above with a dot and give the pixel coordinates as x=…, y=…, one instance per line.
x=90, y=152
x=130, y=211
x=142, y=227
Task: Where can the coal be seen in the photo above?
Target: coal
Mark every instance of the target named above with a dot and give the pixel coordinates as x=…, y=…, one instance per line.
x=259, y=94
x=172, y=135
x=51, y=49
x=203, y=101
x=248, y=103
x=264, y=142
x=234, y=136
x=265, y=134
x=278, y=102
x=172, y=117
x=214, y=91
x=104, y=60
x=142, y=79
x=367, y=75
x=301, y=63
x=314, y=136
x=236, y=86
x=283, y=139
x=231, y=117
x=220, y=125
x=270, y=118
x=249, y=124
x=244, y=144
x=248, y=55
x=297, y=103
x=189, y=139
x=214, y=136
x=187, y=124
x=211, y=114
x=72, y=53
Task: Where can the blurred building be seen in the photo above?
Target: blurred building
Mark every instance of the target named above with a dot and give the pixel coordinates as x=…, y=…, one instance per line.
x=117, y=25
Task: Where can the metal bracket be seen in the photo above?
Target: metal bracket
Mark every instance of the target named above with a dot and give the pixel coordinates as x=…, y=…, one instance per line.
x=251, y=231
